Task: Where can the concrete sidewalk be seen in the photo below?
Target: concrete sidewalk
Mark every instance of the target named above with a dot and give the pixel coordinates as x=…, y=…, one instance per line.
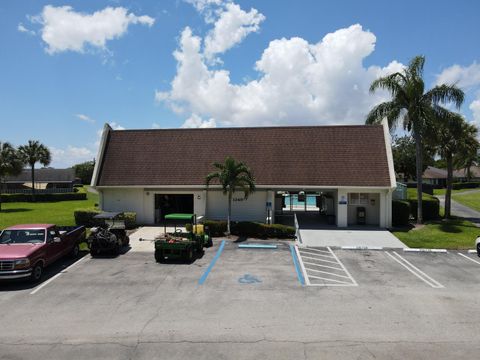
x=350, y=237
x=148, y=235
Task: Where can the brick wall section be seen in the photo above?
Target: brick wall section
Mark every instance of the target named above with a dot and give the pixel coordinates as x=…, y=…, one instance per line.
x=310, y=155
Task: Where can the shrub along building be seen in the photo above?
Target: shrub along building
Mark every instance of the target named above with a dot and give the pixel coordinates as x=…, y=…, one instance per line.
x=342, y=175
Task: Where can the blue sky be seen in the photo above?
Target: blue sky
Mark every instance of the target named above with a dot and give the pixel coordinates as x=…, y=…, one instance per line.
x=70, y=66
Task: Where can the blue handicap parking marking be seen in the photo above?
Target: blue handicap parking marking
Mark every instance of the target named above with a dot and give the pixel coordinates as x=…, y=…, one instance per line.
x=249, y=279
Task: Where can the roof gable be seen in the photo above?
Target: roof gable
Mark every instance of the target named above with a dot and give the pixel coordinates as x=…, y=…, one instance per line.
x=305, y=156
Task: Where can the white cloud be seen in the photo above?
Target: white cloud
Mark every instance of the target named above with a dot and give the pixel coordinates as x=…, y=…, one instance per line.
x=464, y=77
x=85, y=118
x=116, y=126
x=63, y=29
x=298, y=82
x=23, y=29
x=156, y=126
x=231, y=27
x=475, y=108
x=70, y=156
x=195, y=121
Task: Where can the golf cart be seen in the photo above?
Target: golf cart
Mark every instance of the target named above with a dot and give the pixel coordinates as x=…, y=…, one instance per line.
x=110, y=236
x=181, y=245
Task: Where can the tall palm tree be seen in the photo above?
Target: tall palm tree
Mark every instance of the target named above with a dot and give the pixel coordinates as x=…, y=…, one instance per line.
x=466, y=161
x=232, y=176
x=10, y=164
x=32, y=153
x=453, y=136
x=413, y=106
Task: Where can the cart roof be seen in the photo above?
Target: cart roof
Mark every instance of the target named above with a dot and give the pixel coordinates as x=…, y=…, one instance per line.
x=179, y=216
x=107, y=215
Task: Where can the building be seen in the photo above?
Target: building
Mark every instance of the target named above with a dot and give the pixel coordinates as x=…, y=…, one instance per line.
x=348, y=170
x=435, y=176
x=47, y=180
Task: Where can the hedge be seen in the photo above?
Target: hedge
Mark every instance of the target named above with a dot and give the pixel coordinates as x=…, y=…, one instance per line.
x=465, y=185
x=85, y=217
x=430, y=207
x=400, y=212
x=216, y=228
x=260, y=230
x=43, y=197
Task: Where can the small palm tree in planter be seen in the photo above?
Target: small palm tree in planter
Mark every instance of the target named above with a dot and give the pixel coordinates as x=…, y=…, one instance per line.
x=10, y=164
x=232, y=176
x=32, y=153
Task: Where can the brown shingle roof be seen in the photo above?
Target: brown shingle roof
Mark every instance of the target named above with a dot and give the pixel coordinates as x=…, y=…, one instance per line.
x=310, y=155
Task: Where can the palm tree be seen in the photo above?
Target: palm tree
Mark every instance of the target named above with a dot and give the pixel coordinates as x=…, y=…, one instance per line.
x=232, y=176
x=10, y=164
x=466, y=161
x=453, y=136
x=414, y=107
x=32, y=153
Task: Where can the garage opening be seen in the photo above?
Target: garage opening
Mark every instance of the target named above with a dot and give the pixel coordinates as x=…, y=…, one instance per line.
x=172, y=203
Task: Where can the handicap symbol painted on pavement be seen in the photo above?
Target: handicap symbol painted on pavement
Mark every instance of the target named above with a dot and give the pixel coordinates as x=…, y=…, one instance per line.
x=248, y=279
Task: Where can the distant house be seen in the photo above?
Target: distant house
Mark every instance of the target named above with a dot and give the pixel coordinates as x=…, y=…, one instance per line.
x=46, y=180
x=346, y=169
x=435, y=176
x=461, y=174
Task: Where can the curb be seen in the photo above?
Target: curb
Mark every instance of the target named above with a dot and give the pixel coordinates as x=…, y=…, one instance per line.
x=425, y=250
x=362, y=248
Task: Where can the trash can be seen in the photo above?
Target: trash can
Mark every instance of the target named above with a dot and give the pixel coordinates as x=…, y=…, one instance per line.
x=361, y=215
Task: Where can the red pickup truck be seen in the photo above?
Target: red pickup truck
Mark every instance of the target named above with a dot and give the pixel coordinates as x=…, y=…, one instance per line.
x=25, y=250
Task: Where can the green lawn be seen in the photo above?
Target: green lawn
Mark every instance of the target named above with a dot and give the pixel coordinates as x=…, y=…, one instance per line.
x=60, y=212
x=444, y=234
x=472, y=200
x=443, y=191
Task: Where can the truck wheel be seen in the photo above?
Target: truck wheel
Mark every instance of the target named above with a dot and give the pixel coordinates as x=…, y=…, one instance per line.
x=37, y=272
x=75, y=251
x=158, y=256
x=478, y=250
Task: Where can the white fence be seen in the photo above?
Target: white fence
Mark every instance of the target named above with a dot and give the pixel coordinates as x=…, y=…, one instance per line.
x=400, y=193
x=37, y=191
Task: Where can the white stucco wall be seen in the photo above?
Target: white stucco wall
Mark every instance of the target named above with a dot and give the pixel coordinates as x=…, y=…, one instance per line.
x=379, y=214
x=373, y=211
x=123, y=200
x=252, y=209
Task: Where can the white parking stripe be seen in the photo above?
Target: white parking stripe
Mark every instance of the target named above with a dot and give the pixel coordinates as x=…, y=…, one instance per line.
x=319, y=255
x=316, y=250
x=327, y=261
x=38, y=288
x=330, y=273
x=314, y=258
x=327, y=279
x=415, y=271
x=328, y=267
x=466, y=257
x=343, y=267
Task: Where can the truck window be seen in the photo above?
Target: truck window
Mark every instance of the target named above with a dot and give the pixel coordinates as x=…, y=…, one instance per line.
x=22, y=236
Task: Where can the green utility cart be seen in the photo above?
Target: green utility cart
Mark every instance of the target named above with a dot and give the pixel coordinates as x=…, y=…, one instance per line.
x=181, y=245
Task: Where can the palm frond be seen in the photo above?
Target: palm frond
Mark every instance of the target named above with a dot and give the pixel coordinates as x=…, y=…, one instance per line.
x=445, y=94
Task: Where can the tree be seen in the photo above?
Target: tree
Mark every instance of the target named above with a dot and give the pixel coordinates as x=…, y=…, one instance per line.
x=403, y=150
x=232, y=176
x=467, y=159
x=32, y=153
x=414, y=107
x=10, y=164
x=84, y=171
x=454, y=137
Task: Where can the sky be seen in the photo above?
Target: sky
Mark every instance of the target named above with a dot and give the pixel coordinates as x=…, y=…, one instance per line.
x=69, y=67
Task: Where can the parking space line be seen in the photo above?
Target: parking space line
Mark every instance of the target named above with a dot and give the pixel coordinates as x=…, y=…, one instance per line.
x=295, y=262
x=415, y=271
x=466, y=257
x=327, y=261
x=212, y=263
x=343, y=267
x=329, y=273
x=315, y=250
x=328, y=267
x=313, y=258
x=323, y=256
x=327, y=279
x=41, y=286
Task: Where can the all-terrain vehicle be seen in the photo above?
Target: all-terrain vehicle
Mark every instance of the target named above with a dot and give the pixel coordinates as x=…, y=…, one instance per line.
x=182, y=245
x=110, y=236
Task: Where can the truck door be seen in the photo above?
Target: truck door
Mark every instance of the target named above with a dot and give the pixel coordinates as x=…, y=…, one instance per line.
x=54, y=249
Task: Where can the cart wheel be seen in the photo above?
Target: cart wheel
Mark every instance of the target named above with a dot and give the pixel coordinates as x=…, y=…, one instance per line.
x=116, y=249
x=158, y=256
x=94, y=252
x=209, y=242
x=190, y=254
x=127, y=241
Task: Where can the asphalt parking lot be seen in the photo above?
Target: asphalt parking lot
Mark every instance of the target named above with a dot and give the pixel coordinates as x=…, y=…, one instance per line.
x=248, y=304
